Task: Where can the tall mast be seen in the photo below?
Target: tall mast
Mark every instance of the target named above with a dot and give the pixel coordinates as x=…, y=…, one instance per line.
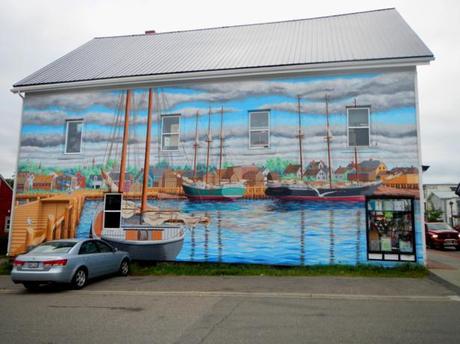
x=208, y=140
x=124, y=148
x=195, y=145
x=356, y=164
x=221, y=141
x=147, y=153
x=300, y=135
x=328, y=140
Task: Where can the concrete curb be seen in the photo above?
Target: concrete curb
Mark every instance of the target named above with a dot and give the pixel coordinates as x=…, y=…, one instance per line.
x=445, y=283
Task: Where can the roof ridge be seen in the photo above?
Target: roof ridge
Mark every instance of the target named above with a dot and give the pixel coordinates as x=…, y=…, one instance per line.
x=252, y=24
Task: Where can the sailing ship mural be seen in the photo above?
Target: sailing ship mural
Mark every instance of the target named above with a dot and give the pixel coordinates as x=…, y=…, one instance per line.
x=327, y=145
x=300, y=189
x=202, y=189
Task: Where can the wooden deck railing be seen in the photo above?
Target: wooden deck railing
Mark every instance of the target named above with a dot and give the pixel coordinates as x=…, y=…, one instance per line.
x=33, y=225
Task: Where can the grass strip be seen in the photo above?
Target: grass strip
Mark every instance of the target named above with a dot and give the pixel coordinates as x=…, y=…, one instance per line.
x=221, y=269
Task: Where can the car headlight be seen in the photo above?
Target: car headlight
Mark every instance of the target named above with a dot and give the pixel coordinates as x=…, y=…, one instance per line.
x=434, y=236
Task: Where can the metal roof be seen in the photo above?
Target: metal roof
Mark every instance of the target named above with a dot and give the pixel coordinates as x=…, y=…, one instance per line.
x=365, y=36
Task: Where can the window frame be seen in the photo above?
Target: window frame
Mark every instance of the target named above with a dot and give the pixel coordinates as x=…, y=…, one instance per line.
x=372, y=254
x=368, y=107
x=118, y=211
x=163, y=134
x=267, y=129
x=66, y=134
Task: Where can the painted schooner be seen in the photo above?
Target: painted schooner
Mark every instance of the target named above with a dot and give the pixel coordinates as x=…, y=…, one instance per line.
x=202, y=190
x=147, y=233
x=301, y=191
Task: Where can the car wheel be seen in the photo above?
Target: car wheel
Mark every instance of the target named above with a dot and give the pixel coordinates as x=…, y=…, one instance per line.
x=31, y=285
x=124, y=268
x=80, y=279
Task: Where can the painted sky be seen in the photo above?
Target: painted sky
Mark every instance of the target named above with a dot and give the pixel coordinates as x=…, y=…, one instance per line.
x=32, y=34
x=390, y=95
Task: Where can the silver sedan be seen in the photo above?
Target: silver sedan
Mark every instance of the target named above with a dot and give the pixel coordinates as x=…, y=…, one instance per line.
x=70, y=261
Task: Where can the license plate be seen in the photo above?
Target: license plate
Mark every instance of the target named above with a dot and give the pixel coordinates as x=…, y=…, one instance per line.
x=32, y=265
x=450, y=242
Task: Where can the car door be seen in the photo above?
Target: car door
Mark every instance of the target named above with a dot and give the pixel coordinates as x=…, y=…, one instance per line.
x=89, y=253
x=109, y=260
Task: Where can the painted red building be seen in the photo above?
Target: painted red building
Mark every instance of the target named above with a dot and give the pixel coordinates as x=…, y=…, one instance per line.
x=6, y=196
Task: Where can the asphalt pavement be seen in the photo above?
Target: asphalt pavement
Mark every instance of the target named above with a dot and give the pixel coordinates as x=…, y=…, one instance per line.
x=444, y=266
x=233, y=310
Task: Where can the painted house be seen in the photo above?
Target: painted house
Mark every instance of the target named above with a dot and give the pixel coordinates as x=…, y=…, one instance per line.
x=316, y=171
x=267, y=86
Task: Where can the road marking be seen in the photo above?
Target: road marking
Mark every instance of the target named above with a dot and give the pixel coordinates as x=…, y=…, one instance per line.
x=317, y=296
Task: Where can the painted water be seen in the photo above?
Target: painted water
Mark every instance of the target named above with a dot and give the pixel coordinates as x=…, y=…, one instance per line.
x=267, y=232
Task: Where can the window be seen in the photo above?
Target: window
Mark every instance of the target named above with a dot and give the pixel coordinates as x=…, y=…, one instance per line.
x=112, y=210
x=103, y=247
x=259, y=129
x=73, y=136
x=170, y=132
x=88, y=247
x=54, y=247
x=390, y=229
x=7, y=224
x=358, y=126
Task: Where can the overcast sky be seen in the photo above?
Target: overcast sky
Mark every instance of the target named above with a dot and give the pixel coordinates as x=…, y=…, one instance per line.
x=35, y=33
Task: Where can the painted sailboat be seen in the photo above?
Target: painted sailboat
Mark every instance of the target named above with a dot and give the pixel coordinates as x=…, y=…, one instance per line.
x=300, y=191
x=147, y=233
x=202, y=190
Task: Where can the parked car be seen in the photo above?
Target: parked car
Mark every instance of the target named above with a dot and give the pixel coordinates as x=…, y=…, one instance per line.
x=70, y=261
x=441, y=235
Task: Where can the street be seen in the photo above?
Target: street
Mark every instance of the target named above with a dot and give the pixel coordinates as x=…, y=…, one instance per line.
x=233, y=310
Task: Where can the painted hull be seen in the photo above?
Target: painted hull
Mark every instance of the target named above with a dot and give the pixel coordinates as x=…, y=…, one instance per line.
x=151, y=251
x=217, y=193
x=305, y=193
x=144, y=250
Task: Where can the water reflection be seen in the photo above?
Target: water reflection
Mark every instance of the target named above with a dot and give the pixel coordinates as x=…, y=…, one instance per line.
x=268, y=232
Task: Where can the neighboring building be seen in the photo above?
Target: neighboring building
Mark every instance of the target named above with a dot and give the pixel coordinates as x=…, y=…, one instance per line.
x=6, y=197
x=443, y=197
x=250, y=76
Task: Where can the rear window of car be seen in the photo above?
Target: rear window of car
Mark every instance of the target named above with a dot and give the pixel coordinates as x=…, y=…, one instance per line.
x=439, y=227
x=54, y=247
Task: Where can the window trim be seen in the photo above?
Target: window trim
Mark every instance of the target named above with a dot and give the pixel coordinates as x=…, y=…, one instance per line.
x=267, y=129
x=67, y=122
x=170, y=133
x=368, y=107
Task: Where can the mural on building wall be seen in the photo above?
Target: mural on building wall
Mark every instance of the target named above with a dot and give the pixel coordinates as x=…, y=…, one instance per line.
x=254, y=137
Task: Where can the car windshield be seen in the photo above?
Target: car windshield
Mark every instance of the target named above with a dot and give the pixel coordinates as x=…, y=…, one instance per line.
x=54, y=247
x=439, y=227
